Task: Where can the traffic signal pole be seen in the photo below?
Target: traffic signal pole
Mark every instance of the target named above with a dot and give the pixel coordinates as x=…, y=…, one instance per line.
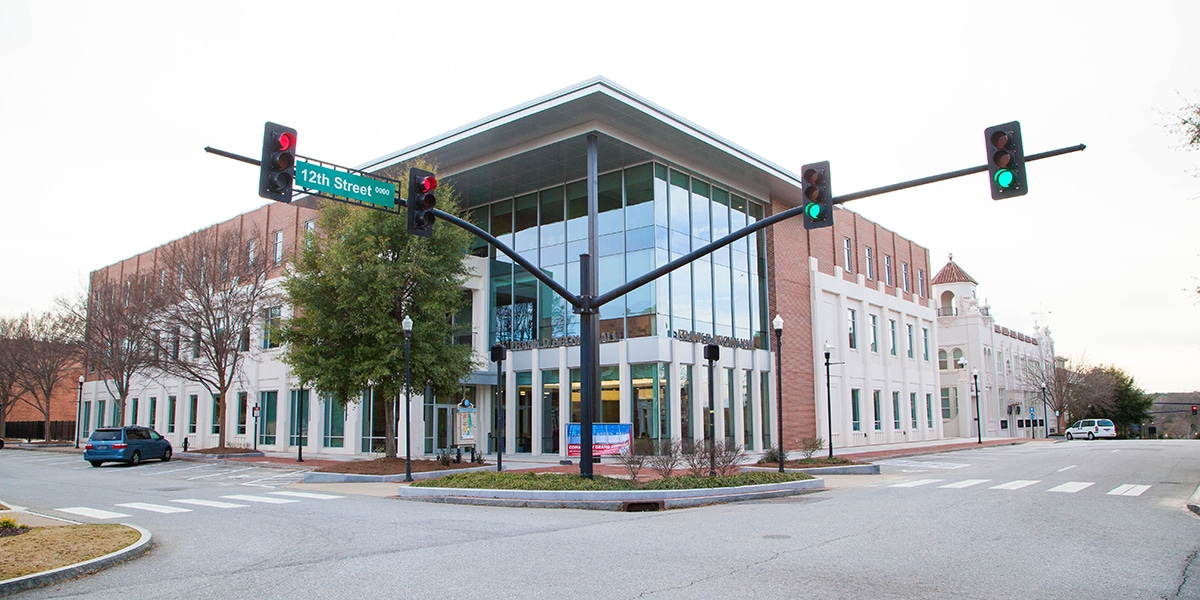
x=588, y=302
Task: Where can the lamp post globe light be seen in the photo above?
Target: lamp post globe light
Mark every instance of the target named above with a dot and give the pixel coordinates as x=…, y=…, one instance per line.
x=78, y=411
x=407, y=324
x=978, y=415
x=777, y=322
x=828, y=398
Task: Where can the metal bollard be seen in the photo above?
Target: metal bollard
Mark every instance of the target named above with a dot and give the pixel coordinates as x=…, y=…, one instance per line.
x=185, y=444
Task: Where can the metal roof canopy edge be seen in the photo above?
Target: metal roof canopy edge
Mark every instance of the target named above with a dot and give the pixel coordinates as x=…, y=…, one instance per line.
x=516, y=130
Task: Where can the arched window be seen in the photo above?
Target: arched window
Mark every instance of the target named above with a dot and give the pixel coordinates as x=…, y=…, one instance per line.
x=947, y=306
x=943, y=361
x=957, y=356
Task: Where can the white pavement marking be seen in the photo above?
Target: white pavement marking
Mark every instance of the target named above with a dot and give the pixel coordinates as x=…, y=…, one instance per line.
x=311, y=495
x=1067, y=468
x=209, y=503
x=966, y=483
x=218, y=474
x=924, y=464
x=919, y=482
x=184, y=469
x=1015, y=485
x=94, y=513
x=1071, y=487
x=263, y=499
x=158, y=508
x=65, y=462
x=287, y=474
x=1128, y=489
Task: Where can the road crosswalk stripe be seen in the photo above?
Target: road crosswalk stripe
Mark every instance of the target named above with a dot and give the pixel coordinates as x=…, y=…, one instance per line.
x=1071, y=487
x=1128, y=489
x=94, y=513
x=919, y=482
x=209, y=503
x=1015, y=485
x=263, y=499
x=310, y=495
x=965, y=483
x=158, y=508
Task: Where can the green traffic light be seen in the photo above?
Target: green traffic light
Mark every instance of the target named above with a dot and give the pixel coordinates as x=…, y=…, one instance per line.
x=1004, y=178
x=813, y=211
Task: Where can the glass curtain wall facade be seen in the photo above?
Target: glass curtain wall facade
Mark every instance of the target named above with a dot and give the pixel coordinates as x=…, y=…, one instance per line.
x=648, y=215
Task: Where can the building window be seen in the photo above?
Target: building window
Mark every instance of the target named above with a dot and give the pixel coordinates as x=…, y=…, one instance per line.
x=912, y=405
x=216, y=414
x=335, y=423
x=241, y=414
x=921, y=282
x=896, y=411
x=874, y=333
x=266, y=403
x=298, y=414
x=849, y=254
x=855, y=410
x=929, y=410
x=278, y=246
x=250, y=252
x=870, y=263
x=271, y=322
x=887, y=269
x=892, y=335
x=877, y=396
x=133, y=412
x=153, y=411
x=925, y=340
x=943, y=361
x=904, y=275
x=171, y=414
x=99, y=414
x=946, y=412
x=852, y=317
x=911, y=341
x=193, y=404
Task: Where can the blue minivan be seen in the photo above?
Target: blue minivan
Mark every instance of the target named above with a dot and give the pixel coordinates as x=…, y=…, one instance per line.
x=126, y=444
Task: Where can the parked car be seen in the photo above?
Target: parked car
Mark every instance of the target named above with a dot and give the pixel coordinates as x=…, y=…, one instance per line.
x=126, y=444
x=1092, y=429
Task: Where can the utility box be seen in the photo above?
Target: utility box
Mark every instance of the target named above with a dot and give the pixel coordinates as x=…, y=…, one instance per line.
x=466, y=423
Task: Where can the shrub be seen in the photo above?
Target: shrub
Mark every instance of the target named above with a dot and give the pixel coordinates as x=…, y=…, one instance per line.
x=695, y=456
x=729, y=458
x=445, y=457
x=811, y=445
x=771, y=456
x=667, y=458
x=572, y=482
x=633, y=458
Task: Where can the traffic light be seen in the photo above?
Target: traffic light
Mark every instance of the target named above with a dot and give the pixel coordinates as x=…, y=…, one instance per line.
x=1006, y=160
x=421, y=202
x=818, y=196
x=277, y=170
x=1193, y=410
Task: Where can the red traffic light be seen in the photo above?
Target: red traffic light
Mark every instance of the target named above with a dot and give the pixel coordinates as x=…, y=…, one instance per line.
x=427, y=184
x=285, y=140
x=1193, y=410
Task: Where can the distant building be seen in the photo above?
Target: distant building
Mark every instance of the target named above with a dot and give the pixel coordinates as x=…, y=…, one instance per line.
x=1008, y=363
x=666, y=187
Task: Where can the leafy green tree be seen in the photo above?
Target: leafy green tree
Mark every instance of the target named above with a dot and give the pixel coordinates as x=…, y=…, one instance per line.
x=355, y=280
x=1129, y=405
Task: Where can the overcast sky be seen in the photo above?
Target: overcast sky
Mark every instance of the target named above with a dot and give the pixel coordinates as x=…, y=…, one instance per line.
x=105, y=108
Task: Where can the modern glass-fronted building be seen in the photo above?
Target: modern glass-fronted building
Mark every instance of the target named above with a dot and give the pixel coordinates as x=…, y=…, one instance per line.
x=664, y=187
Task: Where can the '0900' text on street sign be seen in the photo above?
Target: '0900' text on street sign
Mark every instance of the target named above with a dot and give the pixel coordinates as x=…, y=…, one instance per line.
x=346, y=185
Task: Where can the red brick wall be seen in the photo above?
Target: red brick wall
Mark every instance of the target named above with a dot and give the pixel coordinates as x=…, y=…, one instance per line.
x=62, y=403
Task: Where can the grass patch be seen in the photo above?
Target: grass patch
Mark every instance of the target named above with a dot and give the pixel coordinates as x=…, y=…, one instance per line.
x=45, y=548
x=572, y=482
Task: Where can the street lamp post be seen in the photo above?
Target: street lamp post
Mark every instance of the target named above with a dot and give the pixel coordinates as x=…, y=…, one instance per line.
x=978, y=415
x=1045, y=413
x=407, y=324
x=498, y=351
x=712, y=353
x=78, y=412
x=778, y=323
x=829, y=398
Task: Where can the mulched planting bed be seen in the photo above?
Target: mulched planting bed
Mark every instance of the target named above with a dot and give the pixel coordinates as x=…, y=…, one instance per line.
x=394, y=466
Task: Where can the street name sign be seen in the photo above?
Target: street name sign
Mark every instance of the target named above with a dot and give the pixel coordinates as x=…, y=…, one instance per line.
x=346, y=185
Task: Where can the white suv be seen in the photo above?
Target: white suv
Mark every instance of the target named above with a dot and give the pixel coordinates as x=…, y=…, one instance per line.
x=1092, y=429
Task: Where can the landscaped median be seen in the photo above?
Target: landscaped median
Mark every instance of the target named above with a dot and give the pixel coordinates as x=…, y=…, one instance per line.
x=557, y=490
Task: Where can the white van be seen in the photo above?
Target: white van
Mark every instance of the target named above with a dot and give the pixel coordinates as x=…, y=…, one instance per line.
x=1092, y=429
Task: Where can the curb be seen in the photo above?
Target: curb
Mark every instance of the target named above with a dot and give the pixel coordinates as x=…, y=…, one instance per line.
x=1193, y=503
x=202, y=456
x=324, y=477
x=609, y=500
x=869, y=469
x=35, y=580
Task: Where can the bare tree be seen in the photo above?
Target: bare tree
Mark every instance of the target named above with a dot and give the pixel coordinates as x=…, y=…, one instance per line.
x=217, y=288
x=10, y=392
x=46, y=346
x=119, y=339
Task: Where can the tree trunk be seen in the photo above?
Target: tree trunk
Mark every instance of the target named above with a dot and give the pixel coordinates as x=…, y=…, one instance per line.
x=221, y=418
x=390, y=441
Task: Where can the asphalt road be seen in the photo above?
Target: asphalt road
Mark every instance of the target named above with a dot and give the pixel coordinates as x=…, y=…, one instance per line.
x=1098, y=519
